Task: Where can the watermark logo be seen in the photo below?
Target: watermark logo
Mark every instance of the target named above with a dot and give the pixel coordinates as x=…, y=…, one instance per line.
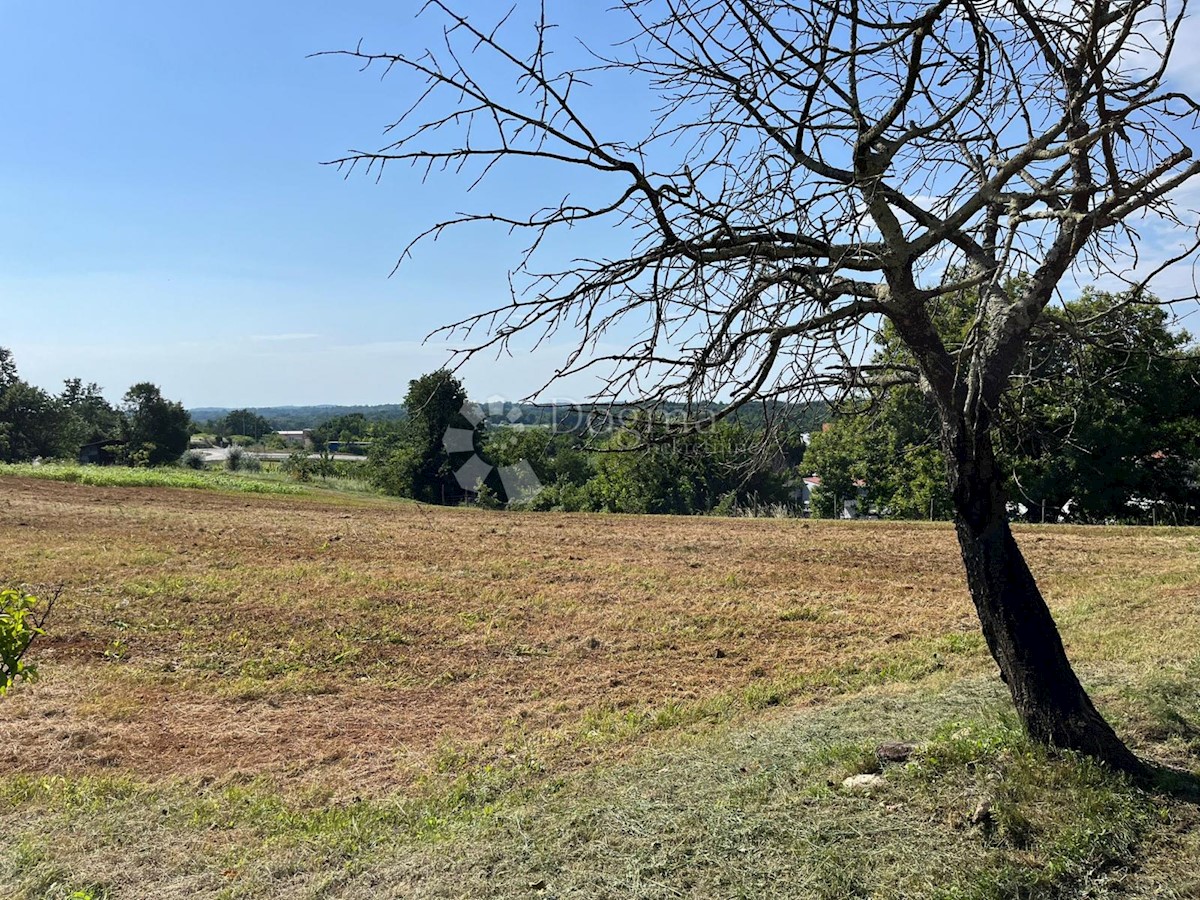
x=520, y=482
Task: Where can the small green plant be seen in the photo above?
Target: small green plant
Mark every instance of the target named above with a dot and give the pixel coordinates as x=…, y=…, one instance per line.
x=299, y=466
x=19, y=625
x=485, y=497
x=116, y=650
x=727, y=504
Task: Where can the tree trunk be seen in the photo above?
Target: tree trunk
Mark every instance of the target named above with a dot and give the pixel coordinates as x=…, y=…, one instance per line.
x=1019, y=629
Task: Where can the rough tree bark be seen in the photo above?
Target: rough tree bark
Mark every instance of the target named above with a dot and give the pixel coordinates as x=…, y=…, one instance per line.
x=1017, y=625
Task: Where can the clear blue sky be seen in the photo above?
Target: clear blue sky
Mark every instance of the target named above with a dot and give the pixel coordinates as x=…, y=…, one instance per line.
x=164, y=217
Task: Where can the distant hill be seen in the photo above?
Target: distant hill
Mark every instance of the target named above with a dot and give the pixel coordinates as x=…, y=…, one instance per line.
x=296, y=418
x=806, y=417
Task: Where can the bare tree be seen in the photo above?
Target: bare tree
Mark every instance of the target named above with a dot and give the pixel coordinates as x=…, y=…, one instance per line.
x=815, y=168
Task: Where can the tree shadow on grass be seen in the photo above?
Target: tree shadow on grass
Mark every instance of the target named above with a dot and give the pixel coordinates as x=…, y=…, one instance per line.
x=1168, y=781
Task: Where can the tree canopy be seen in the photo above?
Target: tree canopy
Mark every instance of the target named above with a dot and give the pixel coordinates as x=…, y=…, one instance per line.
x=156, y=429
x=1101, y=423
x=414, y=459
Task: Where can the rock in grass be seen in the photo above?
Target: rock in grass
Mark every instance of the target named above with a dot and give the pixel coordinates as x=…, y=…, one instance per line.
x=894, y=752
x=862, y=782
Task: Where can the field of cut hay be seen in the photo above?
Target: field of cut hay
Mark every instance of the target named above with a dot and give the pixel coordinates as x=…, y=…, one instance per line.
x=302, y=695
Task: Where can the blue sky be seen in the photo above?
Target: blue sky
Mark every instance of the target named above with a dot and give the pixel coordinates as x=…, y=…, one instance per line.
x=164, y=215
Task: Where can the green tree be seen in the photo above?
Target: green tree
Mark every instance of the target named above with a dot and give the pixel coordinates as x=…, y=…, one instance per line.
x=343, y=429
x=92, y=418
x=156, y=430
x=8, y=369
x=1102, y=417
x=410, y=459
x=1105, y=414
x=643, y=469
x=32, y=423
x=890, y=448
x=559, y=461
x=242, y=421
x=839, y=456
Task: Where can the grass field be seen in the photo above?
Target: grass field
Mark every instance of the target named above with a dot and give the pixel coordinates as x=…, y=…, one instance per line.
x=337, y=695
x=268, y=480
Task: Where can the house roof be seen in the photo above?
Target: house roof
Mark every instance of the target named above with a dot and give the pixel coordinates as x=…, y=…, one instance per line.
x=815, y=481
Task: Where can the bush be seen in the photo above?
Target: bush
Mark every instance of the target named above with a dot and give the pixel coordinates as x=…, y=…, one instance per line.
x=486, y=498
x=19, y=625
x=727, y=505
x=298, y=465
x=235, y=458
x=238, y=460
x=192, y=460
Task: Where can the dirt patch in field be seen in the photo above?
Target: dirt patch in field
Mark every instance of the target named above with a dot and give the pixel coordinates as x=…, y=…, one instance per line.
x=352, y=641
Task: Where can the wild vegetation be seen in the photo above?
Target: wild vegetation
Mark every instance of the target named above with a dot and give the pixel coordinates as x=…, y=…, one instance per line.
x=345, y=695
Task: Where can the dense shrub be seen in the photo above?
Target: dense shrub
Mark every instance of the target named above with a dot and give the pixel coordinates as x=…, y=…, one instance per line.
x=192, y=460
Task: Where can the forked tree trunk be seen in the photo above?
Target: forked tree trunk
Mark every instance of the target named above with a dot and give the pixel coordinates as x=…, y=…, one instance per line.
x=1017, y=624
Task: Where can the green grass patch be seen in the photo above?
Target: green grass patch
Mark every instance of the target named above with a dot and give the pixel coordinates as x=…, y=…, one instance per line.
x=124, y=476
x=752, y=809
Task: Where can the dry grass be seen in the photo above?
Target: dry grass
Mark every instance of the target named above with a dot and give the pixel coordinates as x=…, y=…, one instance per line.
x=290, y=690
x=351, y=642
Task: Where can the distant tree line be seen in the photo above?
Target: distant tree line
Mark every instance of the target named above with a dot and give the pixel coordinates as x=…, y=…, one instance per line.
x=1102, y=424
x=562, y=417
x=212, y=419
x=145, y=429
x=583, y=457
x=448, y=451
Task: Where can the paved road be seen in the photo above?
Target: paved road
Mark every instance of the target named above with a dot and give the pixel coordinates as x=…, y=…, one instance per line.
x=220, y=454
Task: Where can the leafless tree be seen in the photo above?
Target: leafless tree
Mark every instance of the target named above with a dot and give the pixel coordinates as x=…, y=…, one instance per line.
x=815, y=168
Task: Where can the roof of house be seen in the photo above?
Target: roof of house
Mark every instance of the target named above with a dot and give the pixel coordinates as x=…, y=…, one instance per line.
x=815, y=481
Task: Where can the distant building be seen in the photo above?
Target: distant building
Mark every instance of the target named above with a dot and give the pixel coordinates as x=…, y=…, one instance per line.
x=294, y=437
x=101, y=453
x=803, y=494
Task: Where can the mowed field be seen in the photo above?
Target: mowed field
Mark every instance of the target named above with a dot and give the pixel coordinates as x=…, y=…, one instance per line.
x=327, y=652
